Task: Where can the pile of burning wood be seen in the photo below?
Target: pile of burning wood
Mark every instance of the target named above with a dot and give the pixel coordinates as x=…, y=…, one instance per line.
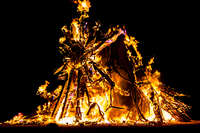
x=104, y=80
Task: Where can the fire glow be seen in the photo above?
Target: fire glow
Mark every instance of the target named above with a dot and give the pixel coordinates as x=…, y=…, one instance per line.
x=93, y=92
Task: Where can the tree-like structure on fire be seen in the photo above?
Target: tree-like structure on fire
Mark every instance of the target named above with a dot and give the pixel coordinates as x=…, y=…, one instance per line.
x=96, y=89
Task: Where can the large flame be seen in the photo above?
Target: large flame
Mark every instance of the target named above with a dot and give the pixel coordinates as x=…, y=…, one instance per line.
x=92, y=94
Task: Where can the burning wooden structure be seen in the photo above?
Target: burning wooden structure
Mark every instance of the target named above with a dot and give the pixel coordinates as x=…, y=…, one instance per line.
x=95, y=88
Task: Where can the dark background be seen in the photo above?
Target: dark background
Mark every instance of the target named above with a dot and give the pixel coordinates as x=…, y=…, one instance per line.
x=30, y=31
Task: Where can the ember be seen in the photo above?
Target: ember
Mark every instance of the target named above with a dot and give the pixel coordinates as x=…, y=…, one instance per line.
x=93, y=91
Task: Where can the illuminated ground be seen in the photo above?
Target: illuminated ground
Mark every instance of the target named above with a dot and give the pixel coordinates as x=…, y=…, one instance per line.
x=99, y=128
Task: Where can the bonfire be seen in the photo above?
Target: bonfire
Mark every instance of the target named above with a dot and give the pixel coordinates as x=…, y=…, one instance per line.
x=95, y=89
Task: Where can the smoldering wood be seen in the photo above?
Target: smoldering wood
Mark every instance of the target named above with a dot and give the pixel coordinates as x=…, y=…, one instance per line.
x=78, y=110
x=115, y=107
x=66, y=95
x=58, y=100
x=87, y=93
x=93, y=106
x=134, y=93
x=174, y=111
x=104, y=75
x=112, y=84
x=87, y=73
x=156, y=105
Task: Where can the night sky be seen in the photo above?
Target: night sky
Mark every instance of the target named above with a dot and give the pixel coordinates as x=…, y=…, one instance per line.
x=31, y=30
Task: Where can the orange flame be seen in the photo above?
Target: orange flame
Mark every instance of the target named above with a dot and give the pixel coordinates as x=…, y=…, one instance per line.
x=99, y=95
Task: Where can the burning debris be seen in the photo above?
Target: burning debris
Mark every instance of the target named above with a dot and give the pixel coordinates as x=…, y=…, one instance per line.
x=95, y=88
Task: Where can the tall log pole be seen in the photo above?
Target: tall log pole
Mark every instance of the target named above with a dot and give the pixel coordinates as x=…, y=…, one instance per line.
x=66, y=95
x=59, y=97
x=78, y=110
